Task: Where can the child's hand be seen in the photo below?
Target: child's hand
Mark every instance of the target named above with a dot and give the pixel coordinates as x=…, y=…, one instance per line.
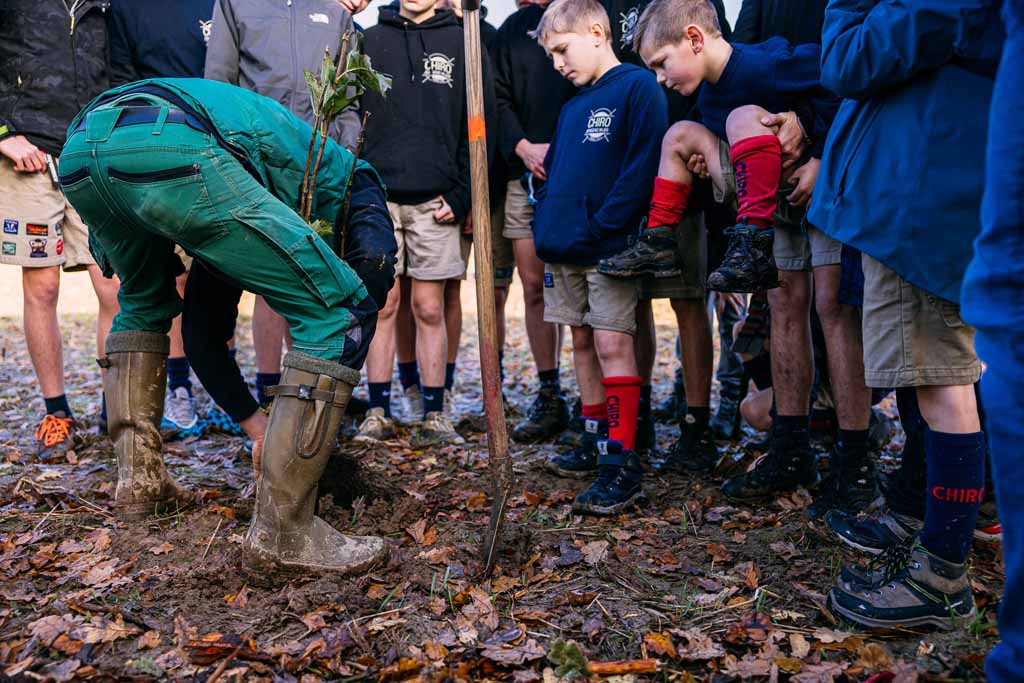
x=804, y=177
x=790, y=131
x=733, y=300
x=27, y=157
x=533, y=155
x=444, y=213
x=698, y=166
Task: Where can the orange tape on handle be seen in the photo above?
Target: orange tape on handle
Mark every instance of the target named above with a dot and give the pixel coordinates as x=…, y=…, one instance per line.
x=477, y=128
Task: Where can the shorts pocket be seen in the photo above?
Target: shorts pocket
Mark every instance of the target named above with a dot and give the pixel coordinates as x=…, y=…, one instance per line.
x=949, y=311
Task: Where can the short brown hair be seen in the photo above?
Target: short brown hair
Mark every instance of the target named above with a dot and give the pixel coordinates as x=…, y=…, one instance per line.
x=571, y=16
x=664, y=22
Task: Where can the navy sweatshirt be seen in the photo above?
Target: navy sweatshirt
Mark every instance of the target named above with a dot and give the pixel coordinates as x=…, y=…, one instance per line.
x=158, y=39
x=778, y=77
x=601, y=167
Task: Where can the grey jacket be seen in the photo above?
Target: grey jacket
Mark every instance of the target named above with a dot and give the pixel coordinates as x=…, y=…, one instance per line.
x=267, y=45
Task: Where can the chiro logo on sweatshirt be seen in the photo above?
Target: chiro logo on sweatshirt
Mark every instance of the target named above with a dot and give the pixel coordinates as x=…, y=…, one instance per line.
x=438, y=68
x=599, y=125
x=205, y=27
x=627, y=26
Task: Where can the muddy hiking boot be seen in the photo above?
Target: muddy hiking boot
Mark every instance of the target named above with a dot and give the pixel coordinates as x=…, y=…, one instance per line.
x=652, y=253
x=135, y=385
x=749, y=263
x=910, y=587
x=285, y=535
x=546, y=418
x=694, y=451
x=581, y=461
x=618, y=484
x=788, y=465
x=851, y=485
x=55, y=436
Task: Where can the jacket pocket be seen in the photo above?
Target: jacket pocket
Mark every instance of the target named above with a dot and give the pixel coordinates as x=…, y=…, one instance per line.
x=565, y=234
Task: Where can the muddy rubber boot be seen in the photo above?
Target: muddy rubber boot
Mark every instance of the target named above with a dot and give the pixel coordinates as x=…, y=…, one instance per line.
x=135, y=386
x=284, y=535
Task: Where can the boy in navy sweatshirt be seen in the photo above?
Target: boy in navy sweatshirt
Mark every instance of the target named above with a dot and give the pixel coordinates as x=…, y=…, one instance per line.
x=600, y=164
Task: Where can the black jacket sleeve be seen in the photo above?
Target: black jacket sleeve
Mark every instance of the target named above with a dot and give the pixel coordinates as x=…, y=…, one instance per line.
x=370, y=246
x=510, y=128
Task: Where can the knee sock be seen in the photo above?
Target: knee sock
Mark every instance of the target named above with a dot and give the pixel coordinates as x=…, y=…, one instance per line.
x=433, y=400
x=408, y=374
x=265, y=380
x=449, y=376
x=853, y=443
x=956, y=484
x=380, y=396
x=644, y=411
x=668, y=203
x=701, y=416
x=793, y=426
x=177, y=374
x=757, y=163
x=622, y=396
x=549, y=380
x=58, y=404
x=595, y=411
x=910, y=481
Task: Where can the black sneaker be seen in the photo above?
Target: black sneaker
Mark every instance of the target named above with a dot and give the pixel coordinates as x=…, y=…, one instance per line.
x=618, y=483
x=787, y=465
x=912, y=588
x=547, y=417
x=581, y=462
x=694, y=451
x=873, y=534
x=652, y=253
x=726, y=422
x=749, y=264
x=851, y=485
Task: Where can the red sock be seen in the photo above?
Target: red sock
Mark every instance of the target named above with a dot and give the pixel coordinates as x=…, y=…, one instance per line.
x=667, y=203
x=596, y=411
x=623, y=399
x=757, y=163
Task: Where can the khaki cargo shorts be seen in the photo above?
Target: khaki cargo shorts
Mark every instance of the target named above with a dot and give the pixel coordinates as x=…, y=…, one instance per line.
x=40, y=227
x=428, y=250
x=518, y=213
x=798, y=246
x=913, y=338
x=579, y=295
x=692, y=255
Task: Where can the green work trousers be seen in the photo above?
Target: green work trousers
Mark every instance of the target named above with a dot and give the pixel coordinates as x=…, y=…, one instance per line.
x=143, y=188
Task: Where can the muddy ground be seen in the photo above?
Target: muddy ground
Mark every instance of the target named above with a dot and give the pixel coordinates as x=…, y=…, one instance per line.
x=689, y=588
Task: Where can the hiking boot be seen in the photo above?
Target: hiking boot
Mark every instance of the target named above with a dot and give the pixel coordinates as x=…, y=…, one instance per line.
x=285, y=535
x=988, y=529
x=654, y=253
x=694, y=451
x=851, y=485
x=726, y=422
x=547, y=417
x=617, y=487
x=412, y=403
x=873, y=534
x=646, y=438
x=913, y=588
x=572, y=435
x=180, y=417
x=581, y=462
x=437, y=430
x=749, y=264
x=55, y=436
x=376, y=427
x=787, y=465
x=135, y=385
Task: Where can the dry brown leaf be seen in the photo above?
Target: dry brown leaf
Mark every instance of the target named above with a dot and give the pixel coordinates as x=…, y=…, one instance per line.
x=239, y=599
x=595, y=551
x=477, y=501
x=699, y=646
x=799, y=646
x=826, y=672
x=514, y=655
x=162, y=549
x=314, y=620
x=101, y=630
x=148, y=640
x=751, y=576
x=660, y=643
x=718, y=552
x=874, y=657
x=47, y=629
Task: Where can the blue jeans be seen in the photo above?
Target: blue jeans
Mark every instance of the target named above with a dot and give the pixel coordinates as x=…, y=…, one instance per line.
x=993, y=301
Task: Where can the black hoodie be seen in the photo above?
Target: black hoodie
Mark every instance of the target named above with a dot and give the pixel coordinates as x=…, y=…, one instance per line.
x=416, y=137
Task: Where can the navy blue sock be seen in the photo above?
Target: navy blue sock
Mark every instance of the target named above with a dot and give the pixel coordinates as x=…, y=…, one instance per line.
x=103, y=406
x=380, y=396
x=58, y=404
x=549, y=380
x=409, y=374
x=956, y=484
x=264, y=380
x=644, y=411
x=501, y=366
x=854, y=442
x=177, y=374
x=910, y=495
x=701, y=415
x=433, y=400
x=449, y=376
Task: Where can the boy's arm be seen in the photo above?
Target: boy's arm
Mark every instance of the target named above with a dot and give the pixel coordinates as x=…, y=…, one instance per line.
x=222, y=51
x=748, y=23
x=511, y=130
x=122, y=59
x=631, y=192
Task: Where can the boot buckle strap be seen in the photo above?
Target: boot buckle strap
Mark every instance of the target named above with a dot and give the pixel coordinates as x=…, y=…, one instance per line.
x=304, y=392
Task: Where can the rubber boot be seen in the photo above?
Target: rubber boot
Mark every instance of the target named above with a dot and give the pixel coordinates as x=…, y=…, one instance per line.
x=284, y=535
x=135, y=385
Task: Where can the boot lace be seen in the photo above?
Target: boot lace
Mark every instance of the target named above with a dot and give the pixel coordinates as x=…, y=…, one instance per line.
x=54, y=430
x=892, y=564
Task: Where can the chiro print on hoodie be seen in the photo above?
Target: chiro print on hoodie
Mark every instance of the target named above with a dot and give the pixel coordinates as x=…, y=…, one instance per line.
x=416, y=137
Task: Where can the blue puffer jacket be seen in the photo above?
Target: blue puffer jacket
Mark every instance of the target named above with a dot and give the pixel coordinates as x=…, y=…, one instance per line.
x=903, y=170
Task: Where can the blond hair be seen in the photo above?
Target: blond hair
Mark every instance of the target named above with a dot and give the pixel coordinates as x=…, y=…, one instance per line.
x=571, y=16
x=664, y=22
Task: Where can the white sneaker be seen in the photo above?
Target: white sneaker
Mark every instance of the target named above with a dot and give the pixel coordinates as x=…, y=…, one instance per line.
x=412, y=404
x=179, y=411
x=437, y=429
x=376, y=427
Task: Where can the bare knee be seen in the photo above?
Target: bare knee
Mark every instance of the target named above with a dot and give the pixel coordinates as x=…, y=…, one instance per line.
x=390, y=310
x=41, y=286
x=745, y=121
x=791, y=298
x=830, y=311
x=613, y=347
x=428, y=311
x=684, y=138
x=582, y=340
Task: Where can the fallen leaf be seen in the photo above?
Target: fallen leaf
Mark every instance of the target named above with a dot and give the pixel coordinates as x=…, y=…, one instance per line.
x=162, y=549
x=100, y=630
x=477, y=501
x=751, y=576
x=798, y=645
x=718, y=552
x=699, y=646
x=147, y=640
x=660, y=643
x=826, y=672
x=595, y=551
x=514, y=655
x=239, y=599
x=421, y=534
x=47, y=629
x=827, y=635
x=874, y=657
x=383, y=623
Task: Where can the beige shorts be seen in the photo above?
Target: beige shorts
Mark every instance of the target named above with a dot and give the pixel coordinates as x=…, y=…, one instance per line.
x=579, y=295
x=502, y=253
x=913, y=338
x=692, y=250
x=428, y=250
x=798, y=246
x=518, y=213
x=40, y=227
